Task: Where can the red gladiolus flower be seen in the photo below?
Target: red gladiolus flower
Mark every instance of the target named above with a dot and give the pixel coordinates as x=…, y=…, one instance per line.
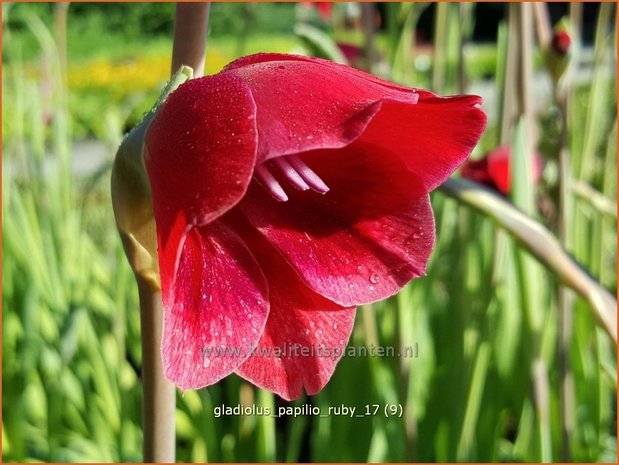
x=286, y=191
x=324, y=9
x=352, y=52
x=561, y=42
x=494, y=169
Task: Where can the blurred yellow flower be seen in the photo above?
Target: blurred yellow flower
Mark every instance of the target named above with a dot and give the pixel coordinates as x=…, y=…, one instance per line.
x=122, y=78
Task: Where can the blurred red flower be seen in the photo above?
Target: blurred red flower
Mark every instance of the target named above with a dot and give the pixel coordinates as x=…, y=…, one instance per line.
x=352, y=52
x=561, y=42
x=493, y=169
x=286, y=191
x=324, y=9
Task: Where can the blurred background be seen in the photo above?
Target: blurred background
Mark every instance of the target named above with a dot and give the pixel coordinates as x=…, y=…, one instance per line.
x=509, y=367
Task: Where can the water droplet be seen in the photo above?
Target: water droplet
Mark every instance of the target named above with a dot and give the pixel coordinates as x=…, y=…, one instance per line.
x=306, y=331
x=374, y=278
x=206, y=362
x=335, y=325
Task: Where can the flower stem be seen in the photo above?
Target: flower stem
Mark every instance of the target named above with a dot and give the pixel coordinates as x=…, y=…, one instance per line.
x=159, y=398
x=368, y=12
x=190, y=28
x=540, y=243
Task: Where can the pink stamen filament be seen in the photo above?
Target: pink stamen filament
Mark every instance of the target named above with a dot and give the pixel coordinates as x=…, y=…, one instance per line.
x=291, y=175
x=295, y=171
x=311, y=178
x=267, y=181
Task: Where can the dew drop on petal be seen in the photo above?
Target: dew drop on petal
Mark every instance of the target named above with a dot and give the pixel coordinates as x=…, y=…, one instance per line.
x=374, y=278
x=206, y=363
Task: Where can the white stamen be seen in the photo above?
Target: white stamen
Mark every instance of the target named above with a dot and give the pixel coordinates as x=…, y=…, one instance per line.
x=305, y=172
x=267, y=181
x=291, y=174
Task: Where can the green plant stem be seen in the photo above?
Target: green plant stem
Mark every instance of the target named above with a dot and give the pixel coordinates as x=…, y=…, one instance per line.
x=405, y=339
x=466, y=13
x=565, y=301
x=576, y=12
x=543, y=28
x=523, y=198
x=540, y=242
x=133, y=213
x=440, y=47
x=159, y=398
x=594, y=198
x=509, y=104
x=597, y=96
x=60, y=33
x=368, y=18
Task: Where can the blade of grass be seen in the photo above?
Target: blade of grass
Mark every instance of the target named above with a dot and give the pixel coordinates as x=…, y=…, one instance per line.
x=266, y=429
x=595, y=120
x=473, y=404
x=321, y=44
x=440, y=45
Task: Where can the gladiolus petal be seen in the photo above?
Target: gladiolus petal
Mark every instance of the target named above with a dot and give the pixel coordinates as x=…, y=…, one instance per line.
x=305, y=335
x=216, y=310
